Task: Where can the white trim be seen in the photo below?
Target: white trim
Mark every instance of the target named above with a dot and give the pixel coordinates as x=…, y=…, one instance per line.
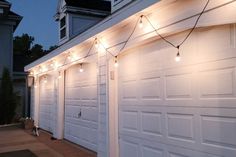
x=113, y=111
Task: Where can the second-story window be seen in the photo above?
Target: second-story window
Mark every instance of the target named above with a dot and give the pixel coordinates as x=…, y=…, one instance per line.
x=63, y=27
x=117, y=1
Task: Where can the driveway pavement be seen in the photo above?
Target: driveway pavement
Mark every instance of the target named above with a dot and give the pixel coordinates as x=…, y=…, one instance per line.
x=14, y=139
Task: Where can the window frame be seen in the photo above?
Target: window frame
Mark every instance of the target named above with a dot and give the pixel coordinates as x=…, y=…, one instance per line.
x=63, y=27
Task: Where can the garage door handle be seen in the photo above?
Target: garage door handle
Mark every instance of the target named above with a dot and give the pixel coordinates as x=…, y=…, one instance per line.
x=79, y=114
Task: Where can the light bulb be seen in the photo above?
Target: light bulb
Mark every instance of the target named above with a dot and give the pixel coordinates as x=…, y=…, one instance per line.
x=40, y=69
x=81, y=68
x=177, y=58
x=116, y=62
x=45, y=80
x=35, y=86
x=96, y=43
x=32, y=73
x=52, y=64
x=59, y=75
x=141, y=22
x=69, y=57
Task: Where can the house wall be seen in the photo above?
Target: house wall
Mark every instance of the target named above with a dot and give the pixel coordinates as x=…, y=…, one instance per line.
x=80, y=23
x=6, y=40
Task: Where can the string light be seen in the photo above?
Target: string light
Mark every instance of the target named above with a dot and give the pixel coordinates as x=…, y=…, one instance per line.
x=96, y=43
x=52, y=64
x=59, y=75
x=69, y=57
x=31, y=73
x=177, y=58
x=81, y=68
x=141, y=22
x=116, y=62
x=45, y=80
x=40, y=69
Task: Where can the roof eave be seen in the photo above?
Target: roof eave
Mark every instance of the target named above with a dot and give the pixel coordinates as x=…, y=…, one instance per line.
x=108, y=22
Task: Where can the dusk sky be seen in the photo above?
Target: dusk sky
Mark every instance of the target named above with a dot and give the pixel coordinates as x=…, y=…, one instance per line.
x=37, y=20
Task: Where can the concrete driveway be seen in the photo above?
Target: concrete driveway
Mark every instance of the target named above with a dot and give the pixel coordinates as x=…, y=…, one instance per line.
x=14, y=138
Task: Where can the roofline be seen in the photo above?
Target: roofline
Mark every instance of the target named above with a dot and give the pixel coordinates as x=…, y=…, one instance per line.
x=108, y=22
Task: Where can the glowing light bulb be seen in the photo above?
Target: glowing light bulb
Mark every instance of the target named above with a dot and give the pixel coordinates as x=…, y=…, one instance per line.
x=69, y=57
x=52, y=64
x=59, y=76
x=45, y=80
x=141, y=22
x=81, y=68
x=177, y=58
x=32, y=73
x=96, y=43
x=40, y=69
x=116, y=62
x=35, y=86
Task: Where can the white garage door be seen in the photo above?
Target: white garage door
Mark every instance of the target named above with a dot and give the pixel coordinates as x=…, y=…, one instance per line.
x=185, y=109
x=81, y=110
x=46, y=103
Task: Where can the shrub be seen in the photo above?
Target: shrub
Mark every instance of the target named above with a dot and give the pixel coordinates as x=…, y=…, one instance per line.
x=8, y=98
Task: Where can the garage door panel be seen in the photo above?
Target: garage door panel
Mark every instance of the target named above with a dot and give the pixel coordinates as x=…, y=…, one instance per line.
x=73, y=113
x=151, y=88
x=79, y=134
x=218, y=130
x=217, y=83
x=178, y=86
x=129, y=121
x=80, y=122
x=129, y=149
x=151, y=123
x=90, y=114
x=151, y=152
x=130, y=90
x=71, y=93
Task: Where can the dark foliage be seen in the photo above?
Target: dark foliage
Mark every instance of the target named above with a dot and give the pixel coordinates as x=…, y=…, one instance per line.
x=8, y=98
x=24, y=46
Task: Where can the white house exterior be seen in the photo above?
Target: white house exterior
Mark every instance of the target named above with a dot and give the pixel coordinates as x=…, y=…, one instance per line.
x=150, y=105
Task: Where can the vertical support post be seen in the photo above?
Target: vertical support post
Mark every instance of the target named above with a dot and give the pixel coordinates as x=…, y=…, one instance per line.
x=60, y=105
x=36, y=101
x=103, y=141
x=113, y=110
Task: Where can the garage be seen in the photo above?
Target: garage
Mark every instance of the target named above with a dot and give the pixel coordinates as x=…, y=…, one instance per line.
x=81, y=108
x=46, y=103
x=179, y=109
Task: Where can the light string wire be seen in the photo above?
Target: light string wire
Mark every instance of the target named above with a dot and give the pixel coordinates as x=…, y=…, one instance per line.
x=188, y=35
x=129, y=37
